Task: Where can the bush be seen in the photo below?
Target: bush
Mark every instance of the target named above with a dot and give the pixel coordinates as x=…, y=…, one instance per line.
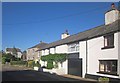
x=37, y=64
x=17, y=59
x=18, y=62
x=7, y=59
x=49, y=65
x=54, y=58
x=30, y=63
x=3, y=60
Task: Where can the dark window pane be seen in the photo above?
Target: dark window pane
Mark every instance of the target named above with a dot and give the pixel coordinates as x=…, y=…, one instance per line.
x=114, y=66
x=109, y=40
x=108, y=66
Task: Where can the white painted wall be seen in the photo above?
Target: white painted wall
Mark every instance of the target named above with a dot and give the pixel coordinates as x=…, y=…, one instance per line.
x=52, y=50
x=65, y=66
x=95, y=53
x=43, y=52
x=19, y=54
x=82, y=52
x=111, y=16
x=46, y=51
x=62, y=49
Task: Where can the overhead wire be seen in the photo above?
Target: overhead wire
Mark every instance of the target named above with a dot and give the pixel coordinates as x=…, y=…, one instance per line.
x=61, y=17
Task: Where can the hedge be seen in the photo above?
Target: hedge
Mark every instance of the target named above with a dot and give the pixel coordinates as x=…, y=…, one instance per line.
x=37, y=64
x=3, y=60
x=49, y=65
x=30, y=63
x=18, y=62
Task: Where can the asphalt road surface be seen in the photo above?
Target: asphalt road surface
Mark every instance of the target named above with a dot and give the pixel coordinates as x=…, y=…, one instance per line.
x=12, y=73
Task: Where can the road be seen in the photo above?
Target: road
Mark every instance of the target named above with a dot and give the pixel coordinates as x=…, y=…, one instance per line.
x=13, y=73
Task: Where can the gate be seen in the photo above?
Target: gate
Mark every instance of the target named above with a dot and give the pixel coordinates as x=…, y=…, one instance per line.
x=74, y=65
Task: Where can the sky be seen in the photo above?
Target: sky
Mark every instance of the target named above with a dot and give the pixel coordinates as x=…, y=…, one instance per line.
x=25, y=24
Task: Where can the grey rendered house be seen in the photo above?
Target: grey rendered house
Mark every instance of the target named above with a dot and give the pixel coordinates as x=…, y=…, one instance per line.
x=32, y=53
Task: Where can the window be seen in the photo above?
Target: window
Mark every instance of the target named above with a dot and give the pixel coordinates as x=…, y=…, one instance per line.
x=73, y=47
x=109, y=41
x=108, y=66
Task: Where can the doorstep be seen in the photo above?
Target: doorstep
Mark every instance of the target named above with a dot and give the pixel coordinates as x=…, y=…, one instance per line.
x=78, y=77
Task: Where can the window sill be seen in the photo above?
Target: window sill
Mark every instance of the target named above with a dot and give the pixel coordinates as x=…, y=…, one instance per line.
x=107, y=47
x=108, y=73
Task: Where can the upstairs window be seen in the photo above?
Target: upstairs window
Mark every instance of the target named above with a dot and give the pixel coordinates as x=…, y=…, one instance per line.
x=108, y=41
x=74, y=47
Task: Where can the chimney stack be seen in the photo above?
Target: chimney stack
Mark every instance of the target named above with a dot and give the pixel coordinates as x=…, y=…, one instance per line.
x=65, y=34
x=111, y=15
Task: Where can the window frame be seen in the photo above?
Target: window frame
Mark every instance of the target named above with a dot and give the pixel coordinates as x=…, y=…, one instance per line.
x=73, y=47
x=111, y=68
x=107, y=41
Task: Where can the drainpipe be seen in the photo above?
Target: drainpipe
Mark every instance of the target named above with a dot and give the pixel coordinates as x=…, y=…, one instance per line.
x=119, y=53
x=86, y=56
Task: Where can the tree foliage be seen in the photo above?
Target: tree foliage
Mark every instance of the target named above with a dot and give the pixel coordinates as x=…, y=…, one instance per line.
x=14, y=51
x=9, y=57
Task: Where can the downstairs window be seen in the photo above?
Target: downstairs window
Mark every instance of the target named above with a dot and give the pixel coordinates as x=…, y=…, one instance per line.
x=108, y=67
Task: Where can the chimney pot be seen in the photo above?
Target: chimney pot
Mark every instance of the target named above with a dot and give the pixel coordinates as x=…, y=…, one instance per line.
x=40, y=41
x=113, y=6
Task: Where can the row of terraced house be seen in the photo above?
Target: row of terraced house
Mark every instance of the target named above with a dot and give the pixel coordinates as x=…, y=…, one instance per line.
x=92, y=53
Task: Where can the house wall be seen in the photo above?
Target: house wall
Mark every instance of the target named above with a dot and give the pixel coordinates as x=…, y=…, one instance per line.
x=8, y=52
x=62, y=49
x=94, y=50
x=46, y=51
x=32, y=54
x=57, y=49
x=65, y=66
x=52, y=50
x=43, y=52
x=19, y=54
x=82, y=54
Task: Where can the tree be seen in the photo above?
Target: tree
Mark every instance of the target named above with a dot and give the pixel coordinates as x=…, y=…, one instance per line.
x=14, y=51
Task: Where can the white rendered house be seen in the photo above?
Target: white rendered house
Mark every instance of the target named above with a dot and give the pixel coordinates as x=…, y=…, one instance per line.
x=93, y=53
x=11, y=51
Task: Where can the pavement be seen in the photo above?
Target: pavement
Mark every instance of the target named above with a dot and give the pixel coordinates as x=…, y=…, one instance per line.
x=78, y=77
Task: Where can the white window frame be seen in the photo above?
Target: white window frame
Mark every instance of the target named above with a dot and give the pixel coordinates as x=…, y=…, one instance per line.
x=73, y=47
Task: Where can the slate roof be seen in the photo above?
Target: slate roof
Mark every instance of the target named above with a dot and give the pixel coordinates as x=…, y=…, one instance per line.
x=91, y=33
x=11, y=49
x=40, y=45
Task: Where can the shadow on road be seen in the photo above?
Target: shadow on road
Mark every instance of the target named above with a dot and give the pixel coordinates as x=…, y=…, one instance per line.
x=31, y=75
